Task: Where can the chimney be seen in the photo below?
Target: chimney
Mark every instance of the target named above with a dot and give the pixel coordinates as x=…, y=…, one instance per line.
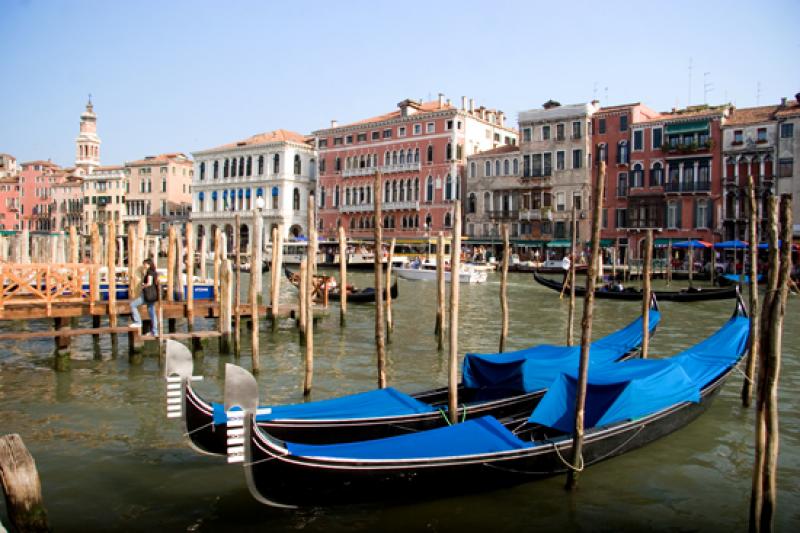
x=334, y=123
x=448, y=102
x=441, y=100
x=463, y=103
x=783, y=102
x=501, y=118
x=471, y=105
x=797, y=97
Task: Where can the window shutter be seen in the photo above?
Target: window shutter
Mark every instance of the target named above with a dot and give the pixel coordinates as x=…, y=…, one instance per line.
x=678, y=214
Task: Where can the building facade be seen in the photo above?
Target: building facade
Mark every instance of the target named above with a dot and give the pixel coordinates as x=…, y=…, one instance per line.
x=273, y=172
x=87, y=144
x=158, y=191
x=556, y=157
x=9, y=192
x=36, y=181
x=420, y=150
x=497, y=194
x=104, y=192
x=788, y=158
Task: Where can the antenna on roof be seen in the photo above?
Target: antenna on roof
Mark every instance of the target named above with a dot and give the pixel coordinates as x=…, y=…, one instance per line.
x=707, y=87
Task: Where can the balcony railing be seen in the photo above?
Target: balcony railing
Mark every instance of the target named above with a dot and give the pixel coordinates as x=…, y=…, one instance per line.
x=687, y=186
x=405, y=167
x=351, y=172
x=506, y=214
x=530, y=214
x=386, y=206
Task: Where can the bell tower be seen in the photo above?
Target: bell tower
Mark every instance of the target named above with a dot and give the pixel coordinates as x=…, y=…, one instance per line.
x=87, y=156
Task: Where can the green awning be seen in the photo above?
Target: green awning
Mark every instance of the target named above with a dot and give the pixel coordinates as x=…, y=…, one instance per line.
x=560, y=243
x=7, y=232
x=498, y=240
x=694, y=126
x=663, y=243
x=604, y=243
x=527, y=242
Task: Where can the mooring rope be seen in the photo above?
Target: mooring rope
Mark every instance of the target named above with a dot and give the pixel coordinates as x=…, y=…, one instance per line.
x=186, y=434
x=447, y=419
x=569, y=465
x=253, y=463
x=744, y=375
x=620, y=446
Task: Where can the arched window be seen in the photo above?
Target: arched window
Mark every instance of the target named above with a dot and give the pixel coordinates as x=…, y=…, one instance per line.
x=416, y=155
x=622, y=152
x=408, y=190
x=516, y=167
x=394, y=191
x=369, y=194
x=472, y=202
x=386, y=194
x=225, y=169
x=472, y=169
x=449, y=152
x=296, y=199
x=361, y=195
x=497, y=168
x=276, y=193
x=347, y=196
x=487, y=169
x=656, y=175
x=276, y=163
x=402, y=191
x=241, y=166
x=352, y=223
x=202, y=170
x=402, y=157
x=260, y=165
x=322, y=196
x=447, y=220
x=216, y=169
x=637, y=176
x=487, y=202
x=428, y=221
x=416, y=189
x=430, y=153
x=297, y=167
x=249, y=165
x=394, y=157
x=448, y=188
x=387, y=158
x=336, y=197
x=506, y=168
x=404, y=222
x=429, y=189
x=233, y=167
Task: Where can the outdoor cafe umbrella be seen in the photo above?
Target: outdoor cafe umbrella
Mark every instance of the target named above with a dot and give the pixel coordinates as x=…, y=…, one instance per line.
x=691, y=245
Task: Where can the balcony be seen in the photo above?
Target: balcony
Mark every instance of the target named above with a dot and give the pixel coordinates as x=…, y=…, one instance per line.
x=231, y=215
x=670, y=148
x=354, y=172
x=530, y=214
x=509, y=214
x=688, y=186
x=386, y=206
x=405, y=167
x=360, y=208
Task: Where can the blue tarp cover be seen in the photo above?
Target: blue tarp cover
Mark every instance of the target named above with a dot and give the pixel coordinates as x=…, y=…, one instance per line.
x=636, y=388
x=736, y=278
x=535, y=368
x=374, y=403
x=479, y=435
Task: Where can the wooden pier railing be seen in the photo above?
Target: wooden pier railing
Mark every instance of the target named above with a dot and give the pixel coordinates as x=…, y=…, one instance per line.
x=43, y=284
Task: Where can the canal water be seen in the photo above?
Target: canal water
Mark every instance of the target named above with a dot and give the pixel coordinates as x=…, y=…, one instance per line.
x=110, y=460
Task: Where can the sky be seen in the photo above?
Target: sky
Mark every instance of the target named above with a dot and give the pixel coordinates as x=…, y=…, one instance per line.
x=189, y=75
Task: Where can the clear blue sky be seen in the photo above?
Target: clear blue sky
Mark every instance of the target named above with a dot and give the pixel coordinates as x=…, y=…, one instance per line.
x=183, y=76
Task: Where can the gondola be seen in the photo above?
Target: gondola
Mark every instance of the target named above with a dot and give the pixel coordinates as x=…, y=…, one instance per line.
x=728, y=280
x=684, y=295
x=359, y=296
x=245, y=267
x=628, y=405
x=502, y=385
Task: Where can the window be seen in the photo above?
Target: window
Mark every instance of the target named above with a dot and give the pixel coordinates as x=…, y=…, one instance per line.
x=601, y=125
x=447, y=220
x=276, y=164
x=448, y=188
x=577, y=201
x=701, y=215
x=559, y=132
x=296, y=199
x=536, y=164
x=547, y=162
x=637, y=176
x=202, y=170
x=337, y=166
x=497, y=168
x=506, y=167
x=430, y=127
x=163, y=184
x=602, y=152
x=545, y=133
x=761, y=135
x=673, y=215
x=623, y=123
x=561, y=201
x=622, y=218
x=622, y=153
x=472, y=169
x=487, y=169
x=738, y=136
x=622, y=184
x=787, y=130
x=401, y=131
x=348, y=139
x=657, y=138
x=577, y=158
x=526, y=166
x=430, y=153
x=375, y=136
x=448, y=152
x=656, y=175
x=297, y=167
x=323, y=143
x=576, y=130
x=417, y=129
x=516, y=166
x=638, y=140
x=449, y=125
x=526, y=134
x=560, y=160
x=429, y=189
x=785, y=167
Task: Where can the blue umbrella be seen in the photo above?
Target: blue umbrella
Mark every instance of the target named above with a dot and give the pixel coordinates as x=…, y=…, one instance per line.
x=731, y=245
x=682, y=245
x=765, y=245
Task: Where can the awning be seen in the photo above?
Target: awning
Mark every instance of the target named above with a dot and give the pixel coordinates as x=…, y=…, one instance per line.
x=731, y=245
x=275, y=191
x=482, y=241
x=247, y=193
x=560, y=243
x=604, y=243
x=225, y=195
x=201, y=196
x=259, y=192
x=214, y=195
x=527, y=242
x=241, y=193
x=694, y=126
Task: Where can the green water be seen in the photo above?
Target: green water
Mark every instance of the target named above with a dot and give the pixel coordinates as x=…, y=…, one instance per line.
x=110, y=460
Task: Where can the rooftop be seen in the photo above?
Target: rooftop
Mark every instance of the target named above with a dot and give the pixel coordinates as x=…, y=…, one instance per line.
x=161, y=159
x=752, y=115
x=505, y=149
x=40, y=162
x=555, y=113
x=419, y=107
x=269, y=137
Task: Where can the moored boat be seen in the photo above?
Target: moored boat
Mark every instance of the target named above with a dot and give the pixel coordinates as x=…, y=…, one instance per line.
x=354, y=294
x=426, y=270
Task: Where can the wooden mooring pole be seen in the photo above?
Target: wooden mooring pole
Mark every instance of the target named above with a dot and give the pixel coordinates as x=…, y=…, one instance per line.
x=171, y=250
x=669, y=262
x=586, y=333
x=309, y=305
x=504, y=288
x=455, y=290
x=380, y=345
x=764, y=493
x=571, y=276
x=755, y=330
x=646, y=275
x=237, y=286
x=253, y=301
x=111, y=263
x=21, y=485
x=189, y=256
x=274, y=276
x=225, y=307
x=342, y=276
x=440, y=316
x=301, y=298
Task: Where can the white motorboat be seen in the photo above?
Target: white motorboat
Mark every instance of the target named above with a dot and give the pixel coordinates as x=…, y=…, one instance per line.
x=426, y=270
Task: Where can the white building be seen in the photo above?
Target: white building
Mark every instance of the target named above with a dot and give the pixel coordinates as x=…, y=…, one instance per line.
x=278, y=167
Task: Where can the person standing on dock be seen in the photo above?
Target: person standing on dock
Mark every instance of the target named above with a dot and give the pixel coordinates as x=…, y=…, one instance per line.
x=148, y=296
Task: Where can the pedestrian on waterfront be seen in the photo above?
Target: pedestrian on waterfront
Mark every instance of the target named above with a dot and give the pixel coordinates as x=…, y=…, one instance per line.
x=148, y=296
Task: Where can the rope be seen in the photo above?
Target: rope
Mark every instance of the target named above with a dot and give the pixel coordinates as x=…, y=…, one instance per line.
x=195, y=430
x=253, y=463
x=744, y=375
x=612, y=452
x=569, y=465
x=447, y=419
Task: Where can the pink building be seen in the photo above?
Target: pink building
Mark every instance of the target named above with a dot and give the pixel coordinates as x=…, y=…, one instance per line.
x=421, y=151
x=9, y=192
x=36, y=181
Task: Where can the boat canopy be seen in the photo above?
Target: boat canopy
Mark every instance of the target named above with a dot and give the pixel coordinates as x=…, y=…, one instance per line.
x=535, y=368
x=370, y=404
x=640, y=387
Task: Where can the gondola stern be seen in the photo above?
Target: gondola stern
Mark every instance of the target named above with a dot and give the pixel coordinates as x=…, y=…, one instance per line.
x=178, y=372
